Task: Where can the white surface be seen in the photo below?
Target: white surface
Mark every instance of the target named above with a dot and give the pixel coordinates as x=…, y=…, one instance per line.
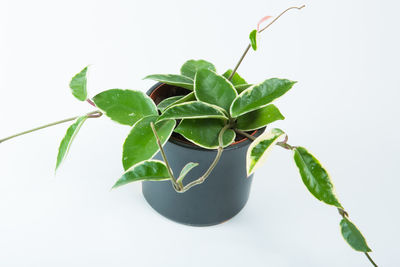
x=344, y=109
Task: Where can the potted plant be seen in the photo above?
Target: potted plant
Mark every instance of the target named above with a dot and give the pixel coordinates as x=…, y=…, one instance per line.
x=197, y=138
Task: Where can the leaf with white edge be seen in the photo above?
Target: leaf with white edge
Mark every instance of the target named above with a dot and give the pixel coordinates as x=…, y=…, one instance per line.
x=193, y=110
x=315, y=177
x=236, y=79
x=68, y=138
x=149, y=170
x=241, y=87
x=185, y=170
x=214, y=89
x=78, y=85
x=259, y=95
x=181, y=99
x=260, y=148
x=204, y=133
x=168, y=102
x=353, y=236
x=125, y=106
x=253, y=39
x=190, y=67
x=186, y=98
x=141, y=144
x=259, y=118
x=172, y=79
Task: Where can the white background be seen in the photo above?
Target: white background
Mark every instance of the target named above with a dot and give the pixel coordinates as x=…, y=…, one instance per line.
x=344, y=108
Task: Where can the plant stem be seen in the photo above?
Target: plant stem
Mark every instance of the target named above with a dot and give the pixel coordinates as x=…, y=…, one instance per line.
x=213, y=164
x=370, y=259
x=281, y=144
x=239, y=62
x=245, y=134
x=173, y=180
x=260, y=31
x=283, y=12
x=93, y=114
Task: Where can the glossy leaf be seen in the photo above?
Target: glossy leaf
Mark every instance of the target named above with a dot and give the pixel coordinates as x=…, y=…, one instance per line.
x=193, y=110
x=353, y=236
x=204, y=133
x=149, y=170
x=190, y=67
x=78, y=85
x=315, y=177
x=236, y=79
x=253, y=39
x=185, y=170
x=212, y=88
x=259, y=95
x=260, y=148
x=173, y=79
x=68, y=138
x=141, y=144
x=182, y=99
x=125, y=106
x=168, y=102
x=241, y=87
x=259, y=118
x=187, y=98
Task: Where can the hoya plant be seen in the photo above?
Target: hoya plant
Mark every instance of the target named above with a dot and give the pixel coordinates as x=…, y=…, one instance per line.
x=215, y=110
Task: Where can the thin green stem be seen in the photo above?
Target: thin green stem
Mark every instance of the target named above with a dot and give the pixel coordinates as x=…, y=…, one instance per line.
x=263, y=29
x=370, y=259
x=164, y=156
x=213, y=164
x=239, y=62
x=93, y=114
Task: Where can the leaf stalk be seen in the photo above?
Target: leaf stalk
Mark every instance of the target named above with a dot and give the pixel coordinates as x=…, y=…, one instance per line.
x=213, y=164
x=93, y=114
x=164, y=156
x=260, y=31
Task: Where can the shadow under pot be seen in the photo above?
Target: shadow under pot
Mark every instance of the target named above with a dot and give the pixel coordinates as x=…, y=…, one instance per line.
x=220, y=197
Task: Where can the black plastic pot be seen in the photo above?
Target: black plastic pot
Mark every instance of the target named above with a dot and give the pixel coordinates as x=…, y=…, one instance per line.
x=223, y=194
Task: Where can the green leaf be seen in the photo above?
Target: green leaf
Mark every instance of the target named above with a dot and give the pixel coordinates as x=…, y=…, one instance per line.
x=236, y=79
x=259, y=118
x=193, y=110
x=125, y=106
x=141, y=144
x=78, y=85
x=190, y=67
x=168, y=102
x=179, y=100
x=149, y=170
x=186, y=98
x=68, y=138
x=188, y=167
x=260, y=148
x=241, y=87
x=204, y=133
x=172, y=79
x=253, y=39
x=315, y=177
x=353, y=236
x=212, y=88
x=259, y=95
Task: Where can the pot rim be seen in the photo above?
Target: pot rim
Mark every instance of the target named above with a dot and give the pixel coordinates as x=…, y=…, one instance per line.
x=235, y=145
